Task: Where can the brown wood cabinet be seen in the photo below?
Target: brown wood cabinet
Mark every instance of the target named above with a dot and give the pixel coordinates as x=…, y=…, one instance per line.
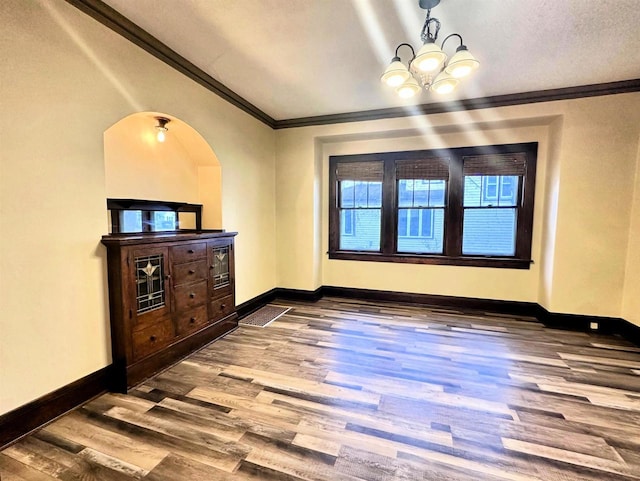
x=169, y=294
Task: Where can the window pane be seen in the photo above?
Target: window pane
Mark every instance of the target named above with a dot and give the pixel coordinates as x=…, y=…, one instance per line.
x=375, y=194
x=490, y=189
x=347, y=222
x=436, y=193
x=509, y=190
x=346, y=193
x=472, y=190
x=429, y=230
x=426, y=222
x=420, y=193
x=131, y=221
x=414, y=222
x=361, y=194
x=366, y=231
x=402, y=222
x=405, y=193
x=489, y=232
x=163, y=221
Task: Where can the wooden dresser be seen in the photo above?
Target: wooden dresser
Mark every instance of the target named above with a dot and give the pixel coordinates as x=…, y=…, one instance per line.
x=169, y=294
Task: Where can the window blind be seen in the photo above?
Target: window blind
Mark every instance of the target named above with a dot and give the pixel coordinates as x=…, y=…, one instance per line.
x=495, y=164
x=365, y=171
x=432, y=168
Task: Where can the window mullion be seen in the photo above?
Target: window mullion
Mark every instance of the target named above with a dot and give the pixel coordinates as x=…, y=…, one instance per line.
x=521, y=222
x=454, y=210
x=389, y=209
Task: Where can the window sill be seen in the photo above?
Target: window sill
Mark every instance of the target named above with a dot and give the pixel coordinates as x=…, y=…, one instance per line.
x=471, y=261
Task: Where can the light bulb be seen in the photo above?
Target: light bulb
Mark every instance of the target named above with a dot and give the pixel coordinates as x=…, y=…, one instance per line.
x=408, y=89
x=428, y=65
x=406, y=92
x=162, y=128
x=460, y=71
x=429, y=58
x=395, y=80
x=444, y=88
x=444, y=83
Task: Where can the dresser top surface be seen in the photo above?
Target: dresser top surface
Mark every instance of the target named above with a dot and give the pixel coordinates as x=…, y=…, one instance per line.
x=158, y=237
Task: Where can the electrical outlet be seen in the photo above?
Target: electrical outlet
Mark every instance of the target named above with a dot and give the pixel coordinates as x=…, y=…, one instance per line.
x=593, y=326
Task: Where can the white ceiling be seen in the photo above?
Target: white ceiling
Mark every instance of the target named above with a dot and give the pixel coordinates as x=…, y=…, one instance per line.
x=299, y=58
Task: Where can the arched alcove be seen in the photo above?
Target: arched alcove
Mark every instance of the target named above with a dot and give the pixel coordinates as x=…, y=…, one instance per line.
x=183, y=168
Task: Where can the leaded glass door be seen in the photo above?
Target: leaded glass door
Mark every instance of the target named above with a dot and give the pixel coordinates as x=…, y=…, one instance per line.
x=220, y=258
x=150, y=275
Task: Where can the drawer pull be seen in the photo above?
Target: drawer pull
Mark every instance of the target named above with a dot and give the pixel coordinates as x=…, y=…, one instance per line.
x=168, y=276
x=190, y=251
x=191, y=271
x=152, y=338
x=192, y=295
x=192, y=320
x=222, y=306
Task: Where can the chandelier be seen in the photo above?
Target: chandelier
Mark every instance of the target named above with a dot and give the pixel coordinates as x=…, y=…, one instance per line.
x=429, y=68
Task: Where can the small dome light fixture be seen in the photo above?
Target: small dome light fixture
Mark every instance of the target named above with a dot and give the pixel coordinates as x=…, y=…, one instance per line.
x=429, y=68
x=162, y=128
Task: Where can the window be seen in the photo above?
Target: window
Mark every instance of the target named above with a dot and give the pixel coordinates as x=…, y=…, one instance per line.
x=465, y=206
x=360, y=205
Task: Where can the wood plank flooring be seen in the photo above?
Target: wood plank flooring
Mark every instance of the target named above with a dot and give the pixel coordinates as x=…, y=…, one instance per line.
x=353, y=390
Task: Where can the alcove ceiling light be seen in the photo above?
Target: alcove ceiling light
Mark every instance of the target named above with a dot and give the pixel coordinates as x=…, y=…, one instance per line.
x=429, y=68
x=162, y=128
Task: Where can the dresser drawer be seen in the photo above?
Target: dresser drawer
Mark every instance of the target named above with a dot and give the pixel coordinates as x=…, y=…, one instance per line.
x=192, y=320
x=221, y=308
x=189, y=272
x=152, y=338
x=188, y=252
x=189, y=296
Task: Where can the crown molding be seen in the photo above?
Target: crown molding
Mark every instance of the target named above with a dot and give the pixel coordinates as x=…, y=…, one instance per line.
x=566, y=93
x=112, y=19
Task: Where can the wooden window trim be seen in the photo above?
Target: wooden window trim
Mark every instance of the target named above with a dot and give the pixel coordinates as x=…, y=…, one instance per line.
x=454, y=209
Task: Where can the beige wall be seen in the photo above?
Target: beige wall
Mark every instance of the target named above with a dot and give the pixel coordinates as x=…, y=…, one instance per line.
x=65, y=80
x=597, y=166
x=631, y=299
x=584, y=187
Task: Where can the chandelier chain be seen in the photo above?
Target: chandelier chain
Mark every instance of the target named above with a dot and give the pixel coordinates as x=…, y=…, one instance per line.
x=427, y=34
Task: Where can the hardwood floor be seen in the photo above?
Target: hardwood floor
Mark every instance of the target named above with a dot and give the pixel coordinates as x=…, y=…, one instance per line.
x=352, y=390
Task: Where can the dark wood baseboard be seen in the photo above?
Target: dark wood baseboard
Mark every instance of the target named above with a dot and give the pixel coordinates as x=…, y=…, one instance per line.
x=21, y=421
x=576, y=322
x=300, y=294
x=628, y=330
x=491, y=305
x=261, y=300
x=256, y=303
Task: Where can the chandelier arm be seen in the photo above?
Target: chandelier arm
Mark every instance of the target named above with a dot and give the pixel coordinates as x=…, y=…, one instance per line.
x=448, y=37
x=413, y=53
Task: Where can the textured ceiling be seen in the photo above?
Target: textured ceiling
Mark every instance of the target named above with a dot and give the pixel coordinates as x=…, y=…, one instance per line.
x=299, y=58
